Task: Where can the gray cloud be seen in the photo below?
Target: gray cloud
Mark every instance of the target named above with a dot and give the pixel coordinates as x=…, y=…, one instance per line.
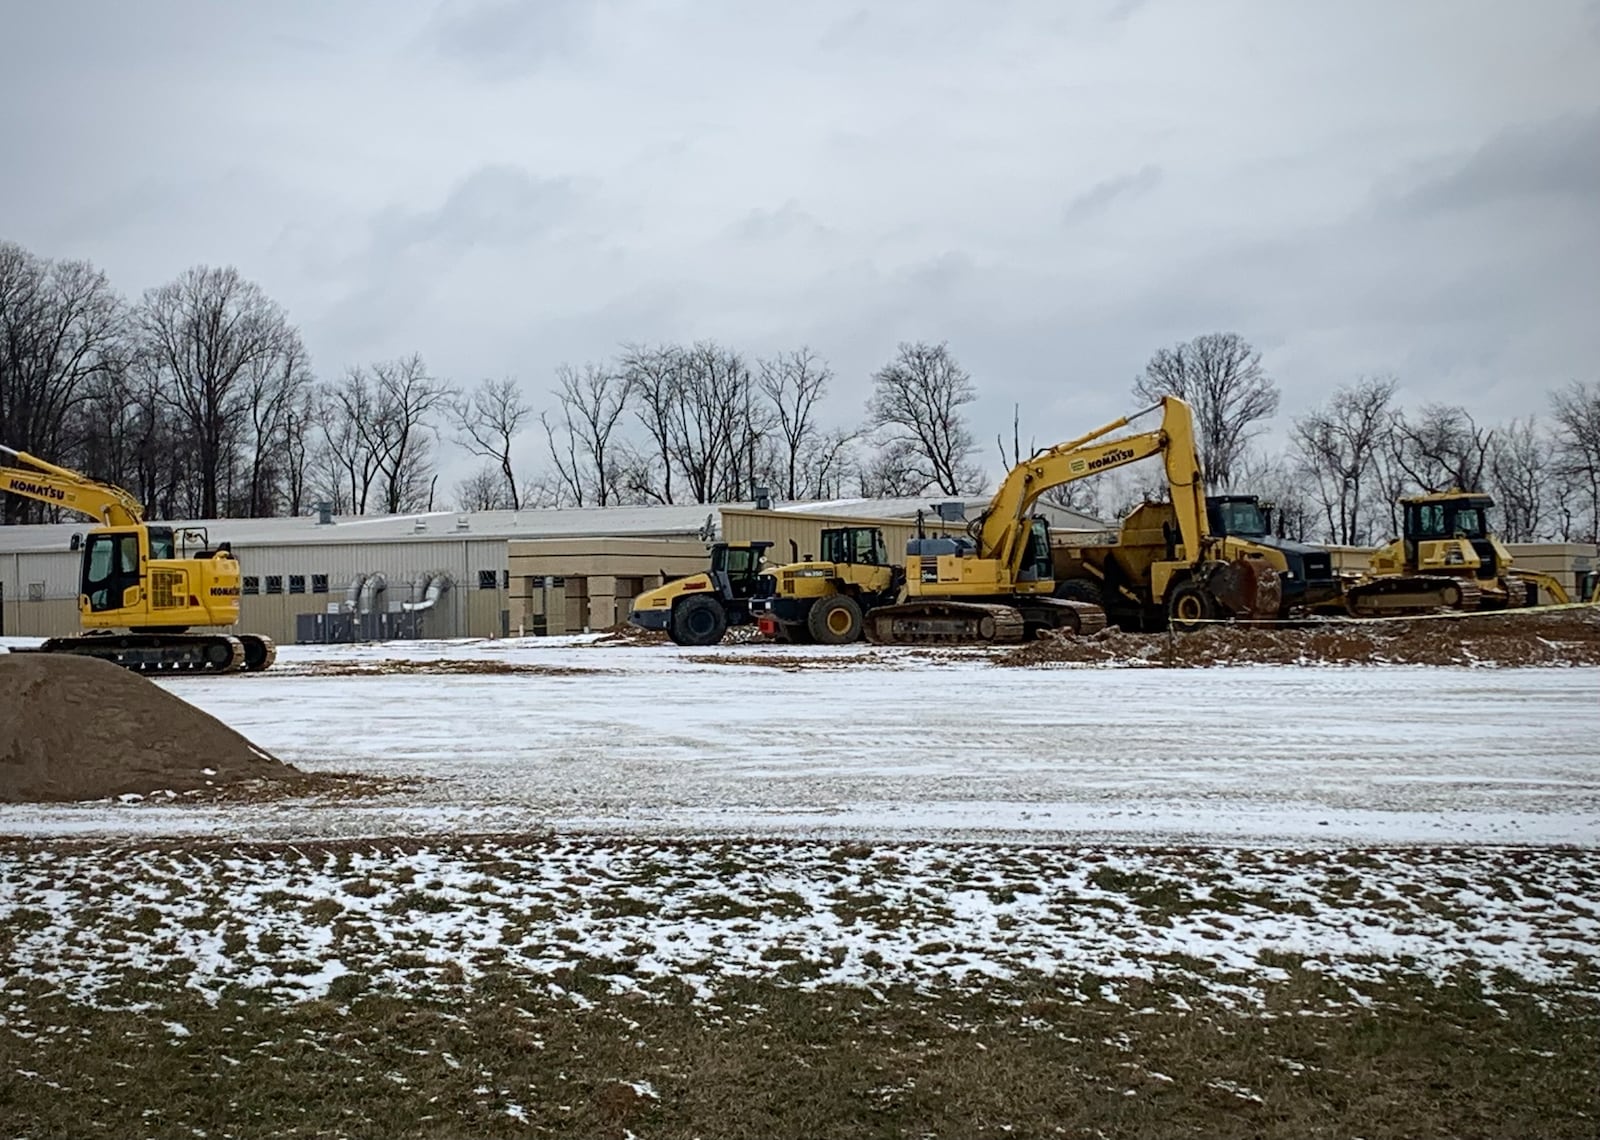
x=1102, y=195
x=1056, y=190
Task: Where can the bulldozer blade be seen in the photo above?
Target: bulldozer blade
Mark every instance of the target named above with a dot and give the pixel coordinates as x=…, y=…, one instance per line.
x=1248, y=588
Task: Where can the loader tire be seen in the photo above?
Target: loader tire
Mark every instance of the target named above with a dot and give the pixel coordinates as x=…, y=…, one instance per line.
x=835, y=620
x=698, y=621
x=1081, y=590
x=1189, y=606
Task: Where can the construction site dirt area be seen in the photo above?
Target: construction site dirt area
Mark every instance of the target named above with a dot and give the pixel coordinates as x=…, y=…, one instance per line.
x=75, y=728
x=1505, y=638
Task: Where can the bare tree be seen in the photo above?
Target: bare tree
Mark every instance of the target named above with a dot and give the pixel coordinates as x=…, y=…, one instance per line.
x=1576, y=411
x=1519, y=473
x=652, y=375
x=484, y=490
x=276, y=388
x=1220, y=375
x=828, y=464
x=1441, y=448
x=592, y=402
x=793, y=382
x=1280, y=482
x=204, y=338
x=377, y=425
x=916, y=405
x=61, y=329
x=894, y=471
x=487, y=420
x=1339, y=446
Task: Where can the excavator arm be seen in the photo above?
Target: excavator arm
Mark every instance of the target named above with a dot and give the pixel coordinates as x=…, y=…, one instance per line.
x=1003, y=528
x=62, y=487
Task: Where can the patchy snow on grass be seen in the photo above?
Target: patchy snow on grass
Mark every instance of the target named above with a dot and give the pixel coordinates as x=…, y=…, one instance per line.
x=113, y=926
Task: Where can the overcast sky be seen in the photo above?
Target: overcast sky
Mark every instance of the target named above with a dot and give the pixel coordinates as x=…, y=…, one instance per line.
x=1056, y=188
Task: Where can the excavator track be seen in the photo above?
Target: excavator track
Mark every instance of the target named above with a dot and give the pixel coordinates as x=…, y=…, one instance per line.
x=1410, y=594
x=159, y=652
x=1080, y=618
x=945, y=623
x=259, y=652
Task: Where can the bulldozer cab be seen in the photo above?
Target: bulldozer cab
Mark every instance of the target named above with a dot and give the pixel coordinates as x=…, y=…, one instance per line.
x=735, y=567
x=1436, y=517
x=855, y=546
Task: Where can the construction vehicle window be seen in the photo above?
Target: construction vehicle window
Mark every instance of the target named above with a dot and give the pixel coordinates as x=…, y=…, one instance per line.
x=161, y=544
x=866, y=549
x=1469, y=522
x=128, y=553
x=1430, y=521
x=738, y=563
x=833, y=546
x=1243, y=519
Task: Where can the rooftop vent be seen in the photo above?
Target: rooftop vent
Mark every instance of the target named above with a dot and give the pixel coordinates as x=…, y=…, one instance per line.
x=763, y=498
x=950, y=511
x=419, y=526
x=324, y=513
x=463, y=522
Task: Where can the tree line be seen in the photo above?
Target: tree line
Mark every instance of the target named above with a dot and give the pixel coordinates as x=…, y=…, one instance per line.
x=200, y=398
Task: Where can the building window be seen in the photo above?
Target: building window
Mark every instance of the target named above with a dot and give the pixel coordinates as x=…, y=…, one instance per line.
x=252, y=584
x=505, y=579
x=274, y=583
x=487, y=579
x=319, y=583
x=297, y=583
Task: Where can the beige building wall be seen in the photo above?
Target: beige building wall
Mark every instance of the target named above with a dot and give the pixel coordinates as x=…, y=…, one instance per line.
x=592, y=581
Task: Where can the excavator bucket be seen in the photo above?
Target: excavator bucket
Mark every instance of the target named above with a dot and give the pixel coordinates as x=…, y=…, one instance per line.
x=1249, y=589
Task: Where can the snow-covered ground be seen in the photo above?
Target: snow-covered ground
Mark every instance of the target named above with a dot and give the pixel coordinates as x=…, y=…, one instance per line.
x=896, y=744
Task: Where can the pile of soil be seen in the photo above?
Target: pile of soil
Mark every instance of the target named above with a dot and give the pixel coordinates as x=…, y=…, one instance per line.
x=1511, y=637
x=74, y=728
x=625, y=634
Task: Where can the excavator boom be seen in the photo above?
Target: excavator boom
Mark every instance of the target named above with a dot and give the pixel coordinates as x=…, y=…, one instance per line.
x=64, y=488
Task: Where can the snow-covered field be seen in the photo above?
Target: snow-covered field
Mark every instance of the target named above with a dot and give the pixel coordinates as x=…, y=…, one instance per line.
x=877, y=743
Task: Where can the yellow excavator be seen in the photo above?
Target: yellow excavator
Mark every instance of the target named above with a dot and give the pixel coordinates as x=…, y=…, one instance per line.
x=997, y=583
x=142, y=586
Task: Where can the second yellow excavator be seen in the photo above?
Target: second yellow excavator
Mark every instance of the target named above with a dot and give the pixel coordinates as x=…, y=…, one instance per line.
x=996, y=582
x=142, y=586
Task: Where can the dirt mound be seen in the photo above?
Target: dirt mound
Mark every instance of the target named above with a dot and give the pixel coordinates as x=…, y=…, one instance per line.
x=1514, y=637
x=74, y=728
x=625, y=634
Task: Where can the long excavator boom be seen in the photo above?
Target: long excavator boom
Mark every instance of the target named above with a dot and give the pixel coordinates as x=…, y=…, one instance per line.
x=63, y=487
x=1003, y=527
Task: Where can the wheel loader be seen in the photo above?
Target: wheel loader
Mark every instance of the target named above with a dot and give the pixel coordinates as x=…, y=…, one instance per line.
x=1446, y=557
x=698, y=610
x=142, y=586
x=1120, y=573
x=997, y=582
x=826, y=600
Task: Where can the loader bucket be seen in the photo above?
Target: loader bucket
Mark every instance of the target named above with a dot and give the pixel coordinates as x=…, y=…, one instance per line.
x=1249, y=589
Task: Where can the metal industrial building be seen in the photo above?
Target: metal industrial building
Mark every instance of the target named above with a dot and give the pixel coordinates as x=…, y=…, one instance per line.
x=446, y=574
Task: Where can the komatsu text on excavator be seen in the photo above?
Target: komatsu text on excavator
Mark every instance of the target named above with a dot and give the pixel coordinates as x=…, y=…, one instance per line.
x=142, y=586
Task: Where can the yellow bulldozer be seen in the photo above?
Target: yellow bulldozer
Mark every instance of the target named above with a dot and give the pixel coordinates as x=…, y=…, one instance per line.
x=142, y=586
x=1447, y=557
